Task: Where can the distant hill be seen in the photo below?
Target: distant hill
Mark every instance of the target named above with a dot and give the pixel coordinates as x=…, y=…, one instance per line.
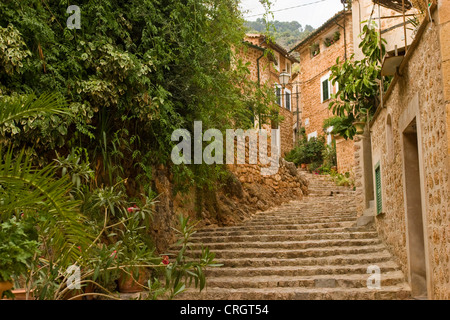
x=287, y=34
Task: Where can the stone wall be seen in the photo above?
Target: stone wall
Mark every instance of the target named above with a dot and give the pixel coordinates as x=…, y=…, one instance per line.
x=422, y=79
x=243, y=193
x=313, y=111
x=268, y=74
x=346, y=160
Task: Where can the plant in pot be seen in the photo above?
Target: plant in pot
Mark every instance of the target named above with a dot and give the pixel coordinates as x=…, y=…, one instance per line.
x=134, y=256
x=16, y=253
x=315, y=49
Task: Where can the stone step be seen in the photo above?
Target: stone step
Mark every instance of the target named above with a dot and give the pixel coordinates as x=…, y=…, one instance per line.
x=290, y=254
x=369, y=259
x=298, y=220
x=277, y=236
x=299, y=270
x=281, y=232
x=391, y=278
x=398, y=292
x=262, y=227
x=291, y=245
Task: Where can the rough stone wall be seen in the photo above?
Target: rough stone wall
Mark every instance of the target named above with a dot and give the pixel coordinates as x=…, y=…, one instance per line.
x=346, y=160
x=423, y=75
x=313, y=68
x=313, y=111
x=268, y=74
x=244, y=193
x=286, y=131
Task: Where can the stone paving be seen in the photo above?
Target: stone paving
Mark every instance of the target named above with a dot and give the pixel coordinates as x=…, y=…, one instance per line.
x=308, y=249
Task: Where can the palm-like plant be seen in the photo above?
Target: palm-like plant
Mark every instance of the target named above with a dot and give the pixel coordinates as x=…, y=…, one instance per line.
x=27, y=189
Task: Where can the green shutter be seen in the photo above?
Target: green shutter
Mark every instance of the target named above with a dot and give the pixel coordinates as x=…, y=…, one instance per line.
x=325, y=92
x=378, y=189
x=288, y=101
x=278, y=96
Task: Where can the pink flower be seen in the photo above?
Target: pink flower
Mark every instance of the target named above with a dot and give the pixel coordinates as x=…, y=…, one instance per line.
x=114, y=254
x=133, y=208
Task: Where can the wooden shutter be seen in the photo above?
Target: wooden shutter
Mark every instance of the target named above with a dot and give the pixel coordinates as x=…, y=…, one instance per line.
x=325, y=90
x=378, y=189
x=278, y=93
x=288, y=101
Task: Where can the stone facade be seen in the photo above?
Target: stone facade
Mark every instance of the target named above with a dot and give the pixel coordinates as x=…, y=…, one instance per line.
x=269, y=73
x=420, y=94
x=314, y=69
x=346, y=151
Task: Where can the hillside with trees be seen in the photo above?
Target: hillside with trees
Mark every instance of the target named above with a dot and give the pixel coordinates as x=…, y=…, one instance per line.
x=286, y=34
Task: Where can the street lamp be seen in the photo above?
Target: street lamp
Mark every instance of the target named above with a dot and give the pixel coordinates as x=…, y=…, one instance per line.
x=284, y=79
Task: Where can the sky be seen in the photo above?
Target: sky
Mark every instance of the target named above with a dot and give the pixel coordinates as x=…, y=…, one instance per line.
x=314, y=13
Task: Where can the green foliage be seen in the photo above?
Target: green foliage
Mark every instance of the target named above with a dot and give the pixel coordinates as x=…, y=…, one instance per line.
x=144, y=66
x=359, y=89
x=16, y=249
x=342, y=179
x=307, y=152
x=181, y=273
x=12, y=50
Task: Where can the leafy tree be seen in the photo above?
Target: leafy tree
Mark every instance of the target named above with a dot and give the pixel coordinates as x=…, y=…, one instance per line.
x=135, y=71
x=287, y=34
x=359, y=88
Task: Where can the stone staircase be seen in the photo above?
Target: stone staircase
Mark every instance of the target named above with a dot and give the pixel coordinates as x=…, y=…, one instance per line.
x=308, y=249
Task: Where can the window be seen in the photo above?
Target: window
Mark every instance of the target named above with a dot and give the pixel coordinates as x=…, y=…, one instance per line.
x=325, y=88
x=329, y=138
x=278, y=94
x=312, y=135
x=288, y=67
x=378, y=190
x=287, y=102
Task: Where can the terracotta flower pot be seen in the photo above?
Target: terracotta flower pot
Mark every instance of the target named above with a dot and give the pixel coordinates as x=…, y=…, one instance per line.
x=21, y=294
x=359, y=127
x=5, y=286
x=128, y=285
x=303, y=165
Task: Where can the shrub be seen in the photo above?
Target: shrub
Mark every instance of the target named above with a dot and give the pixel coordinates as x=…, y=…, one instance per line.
x=307, y=151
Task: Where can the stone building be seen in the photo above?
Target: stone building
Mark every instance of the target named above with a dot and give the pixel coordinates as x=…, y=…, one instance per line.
x=267, y=61
x=407, y=157
x=318, y=53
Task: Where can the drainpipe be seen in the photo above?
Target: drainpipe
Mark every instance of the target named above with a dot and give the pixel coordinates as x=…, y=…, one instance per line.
x=259, y=85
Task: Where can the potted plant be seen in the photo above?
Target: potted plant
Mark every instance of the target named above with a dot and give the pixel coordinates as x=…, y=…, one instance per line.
x=336, y=36
x=133, y=255
x=16, y=253
x=315, y=49
x=359, y=126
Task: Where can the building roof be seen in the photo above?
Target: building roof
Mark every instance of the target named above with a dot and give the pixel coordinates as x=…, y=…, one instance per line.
x=394, y=4
x=326, y=25
x=263, y=43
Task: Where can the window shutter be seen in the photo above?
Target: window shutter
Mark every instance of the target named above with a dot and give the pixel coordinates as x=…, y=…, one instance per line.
x=378, y=189
x=278, y=96
x=325, y=90
x=288, y=101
